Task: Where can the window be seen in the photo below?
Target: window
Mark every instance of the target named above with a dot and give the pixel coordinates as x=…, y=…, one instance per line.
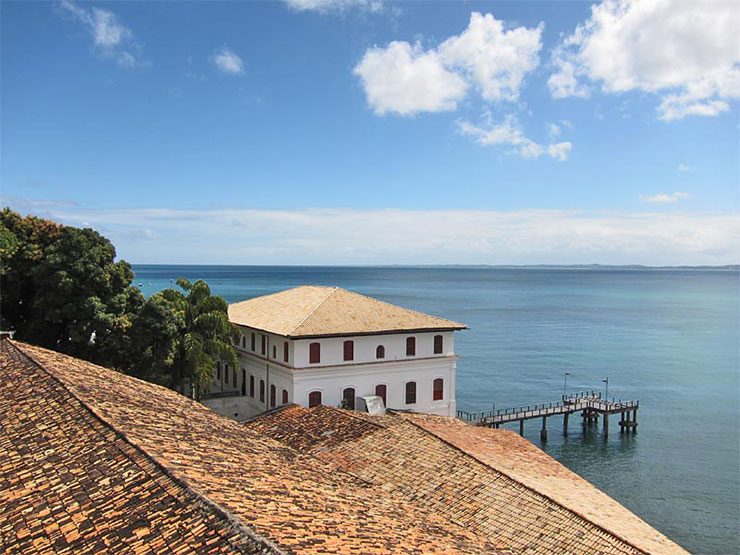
x=253, y=348
x=226, y=373
x=438, y=345
x=218, y=370
x=273, y=395
x=349, y=350
x=410, y=393
x=251, y=386
x=233, y=375
x=380, y=352
x=244, y=382
x=439, y=385
x=314, y=399
x=285, y=396
x=314, y=353
x=274, y=351
x=262, y=391
x=380, y=391
x=264, y=344
x=410, y=346
x=286, y=351
x=244, y=342
x=348, y=398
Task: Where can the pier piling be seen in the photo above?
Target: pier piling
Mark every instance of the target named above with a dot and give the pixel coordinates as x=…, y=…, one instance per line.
x=521, y=428
x=565, y=423
x=543, y=432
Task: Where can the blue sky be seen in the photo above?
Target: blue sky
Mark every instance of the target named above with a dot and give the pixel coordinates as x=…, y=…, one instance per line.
x=372, y=132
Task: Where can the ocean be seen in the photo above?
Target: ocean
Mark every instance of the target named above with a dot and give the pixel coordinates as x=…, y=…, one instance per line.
x=668, y=337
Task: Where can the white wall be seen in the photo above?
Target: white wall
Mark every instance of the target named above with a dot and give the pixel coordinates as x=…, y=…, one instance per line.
x=332, y=348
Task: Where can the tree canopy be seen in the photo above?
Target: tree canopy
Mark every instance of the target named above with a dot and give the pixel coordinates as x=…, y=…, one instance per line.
x=61, y=288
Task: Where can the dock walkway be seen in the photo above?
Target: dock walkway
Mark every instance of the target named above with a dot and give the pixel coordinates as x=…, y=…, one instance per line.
x=588, y=403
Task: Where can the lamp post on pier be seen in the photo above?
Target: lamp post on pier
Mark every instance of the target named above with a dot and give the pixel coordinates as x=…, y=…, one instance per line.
x=606, y=381
x=565, y=384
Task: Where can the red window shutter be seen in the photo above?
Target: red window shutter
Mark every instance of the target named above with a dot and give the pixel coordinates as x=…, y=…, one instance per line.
x=253, y=347
x=251, y=386
x=380, y=391
x=438, y=389
x=410, y=393
x=273, y=395
x=285, y=396
x=262, y=391
x=410, y=346
x=380, y=352
x=314, y=399
x=314, y=353
x=286, y=351
x=349, y=350
x=438, y=346
x=264, y=345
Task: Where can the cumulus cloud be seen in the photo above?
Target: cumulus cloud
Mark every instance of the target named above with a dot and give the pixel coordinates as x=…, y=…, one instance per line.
x=663, y=198
x=395, y=236
x=334, y=5
x=406, y=79
x=685, y=168
x=228, y=61
x=111, y=39
x=509, y=133
x=684, y=51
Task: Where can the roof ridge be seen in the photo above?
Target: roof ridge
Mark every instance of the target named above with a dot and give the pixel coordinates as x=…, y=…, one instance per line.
x=333, y=290
x=222, y=512
x=530, y=488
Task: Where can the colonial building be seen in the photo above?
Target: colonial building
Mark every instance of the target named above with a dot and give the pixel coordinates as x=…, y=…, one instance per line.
x=325, y=345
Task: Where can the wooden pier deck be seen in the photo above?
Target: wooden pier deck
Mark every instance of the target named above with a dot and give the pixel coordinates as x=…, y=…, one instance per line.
x=588, y=403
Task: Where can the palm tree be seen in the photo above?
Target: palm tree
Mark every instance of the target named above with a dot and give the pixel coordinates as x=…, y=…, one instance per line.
x=207, y=335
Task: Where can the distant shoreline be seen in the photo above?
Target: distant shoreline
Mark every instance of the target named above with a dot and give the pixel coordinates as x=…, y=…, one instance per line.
x=728, y=267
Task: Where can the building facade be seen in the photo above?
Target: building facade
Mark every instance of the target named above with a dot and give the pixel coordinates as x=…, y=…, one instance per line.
x=325, y=345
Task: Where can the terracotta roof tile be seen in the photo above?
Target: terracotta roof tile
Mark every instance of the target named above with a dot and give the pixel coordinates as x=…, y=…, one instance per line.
x=152, y=470
x=311, y=311
x=486, y=481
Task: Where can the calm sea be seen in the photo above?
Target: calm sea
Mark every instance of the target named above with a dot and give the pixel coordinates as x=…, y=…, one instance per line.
x=669, y=338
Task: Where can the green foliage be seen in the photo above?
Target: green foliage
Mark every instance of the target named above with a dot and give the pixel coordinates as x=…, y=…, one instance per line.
x=61, y=288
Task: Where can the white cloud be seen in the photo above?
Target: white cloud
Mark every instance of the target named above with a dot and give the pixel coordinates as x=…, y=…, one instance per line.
x=495, y=60
x=510, y=133
x=228, y=61
x=685, y=168
x=682, y=50
x=663, y=198
x=334, y=5
x=111, y=39
x=554, y=130
x=395, y=236
x=405, y=79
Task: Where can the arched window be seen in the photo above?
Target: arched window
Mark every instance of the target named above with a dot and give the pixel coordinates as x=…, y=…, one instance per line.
x=218, y=370
x=274, y=351
x=438, y=345
x=410, y=393
x=264, y=344
x=251, y=386
x=233, y=375
x=439, y=386
x=244, y=382
x=314, y=399
x=314, y=353
x=348, y=398
x=349, y=350
x=286, y=351
x=285, y=396
x=380, y=352
x=273, y=395
x=253, y=342
x=380, y=391
x=262, y=391
x=410, y=346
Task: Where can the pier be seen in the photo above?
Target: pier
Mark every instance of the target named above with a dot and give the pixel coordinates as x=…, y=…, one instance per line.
x=588, y=403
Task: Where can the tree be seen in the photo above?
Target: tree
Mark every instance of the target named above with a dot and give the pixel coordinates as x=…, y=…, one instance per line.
x=206, y=336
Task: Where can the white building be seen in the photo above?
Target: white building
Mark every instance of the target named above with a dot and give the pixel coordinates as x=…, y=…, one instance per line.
x=326, y=345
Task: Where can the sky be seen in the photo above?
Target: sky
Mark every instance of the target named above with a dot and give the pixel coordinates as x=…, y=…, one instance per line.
x=378, y=132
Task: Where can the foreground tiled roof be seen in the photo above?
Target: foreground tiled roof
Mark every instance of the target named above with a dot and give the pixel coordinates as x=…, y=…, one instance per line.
x=311, y=311
x=491, y=481
x=95, y=461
